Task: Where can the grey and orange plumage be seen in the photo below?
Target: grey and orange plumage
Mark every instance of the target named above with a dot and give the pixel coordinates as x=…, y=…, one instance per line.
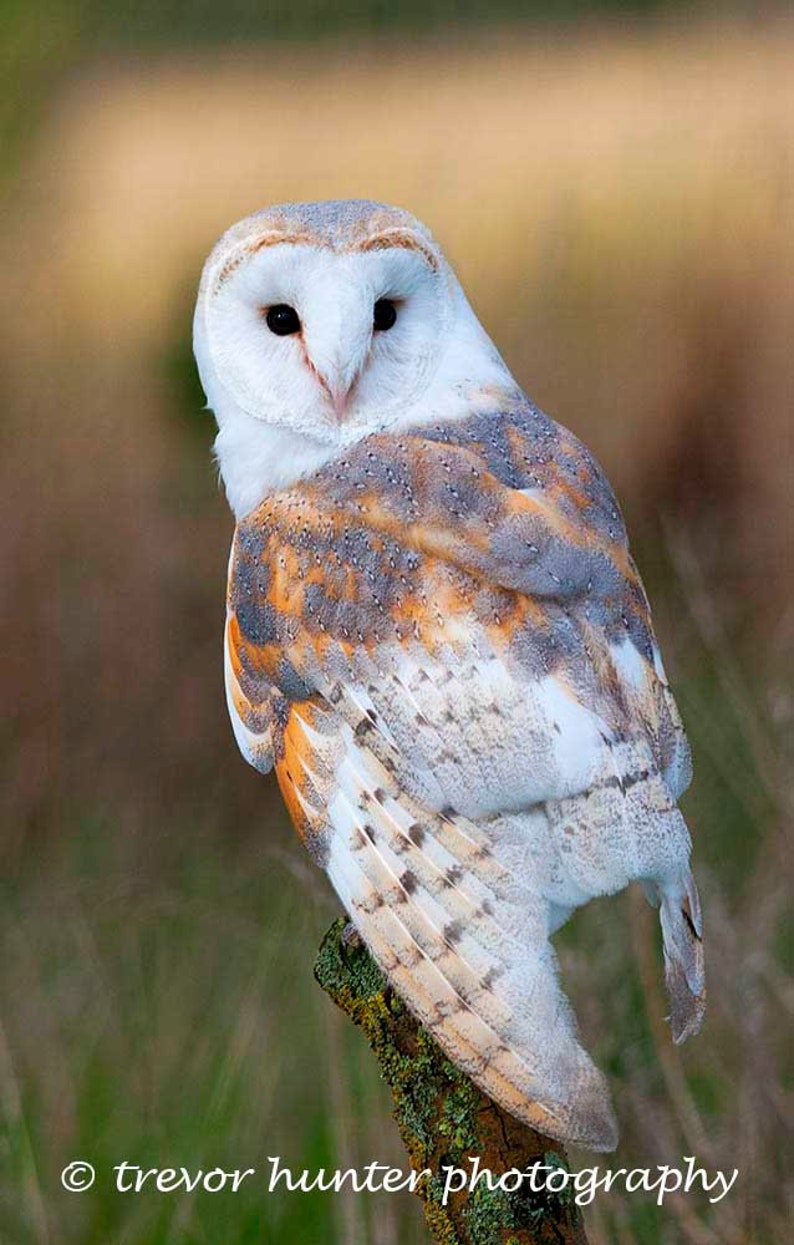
x=439, y=641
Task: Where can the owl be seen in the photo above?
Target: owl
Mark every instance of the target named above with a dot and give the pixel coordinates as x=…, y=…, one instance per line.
x=437, y=638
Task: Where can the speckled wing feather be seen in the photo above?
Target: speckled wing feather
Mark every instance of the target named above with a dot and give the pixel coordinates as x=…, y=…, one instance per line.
x=442, y=644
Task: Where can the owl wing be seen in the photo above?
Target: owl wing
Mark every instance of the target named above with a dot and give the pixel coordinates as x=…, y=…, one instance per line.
x=444, y=649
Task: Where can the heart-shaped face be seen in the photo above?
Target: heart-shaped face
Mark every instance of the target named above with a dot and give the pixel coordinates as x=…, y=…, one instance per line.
x=326, y=322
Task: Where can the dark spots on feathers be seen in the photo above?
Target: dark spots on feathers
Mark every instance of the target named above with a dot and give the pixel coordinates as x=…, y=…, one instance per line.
x=490, y=978
x=408, y=882
x=631, y=780
x=623, y=783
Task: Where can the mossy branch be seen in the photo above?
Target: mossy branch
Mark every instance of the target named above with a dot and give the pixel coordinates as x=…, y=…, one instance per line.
x=444, y=1120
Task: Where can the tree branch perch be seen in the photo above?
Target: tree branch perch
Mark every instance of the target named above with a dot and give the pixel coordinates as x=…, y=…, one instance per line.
x=444, y=1120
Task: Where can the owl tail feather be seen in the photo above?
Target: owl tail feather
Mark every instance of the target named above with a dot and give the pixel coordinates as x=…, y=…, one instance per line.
x=682, y=929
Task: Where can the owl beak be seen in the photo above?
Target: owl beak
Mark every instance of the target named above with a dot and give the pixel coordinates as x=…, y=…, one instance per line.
x=339, y=396
x=337, y=341
x=338, y=385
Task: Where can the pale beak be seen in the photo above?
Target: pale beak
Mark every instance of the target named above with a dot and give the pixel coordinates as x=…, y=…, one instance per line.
x=338, y=335
x=338, y=384
x=339, y=392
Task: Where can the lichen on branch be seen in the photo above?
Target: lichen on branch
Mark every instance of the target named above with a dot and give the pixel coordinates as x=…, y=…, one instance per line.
x=444, y=1119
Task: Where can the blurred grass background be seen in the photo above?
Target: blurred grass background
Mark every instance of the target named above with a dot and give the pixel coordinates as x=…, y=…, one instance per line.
x=615, y=186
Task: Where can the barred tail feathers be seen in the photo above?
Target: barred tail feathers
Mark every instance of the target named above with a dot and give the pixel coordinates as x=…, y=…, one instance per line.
x=682, y=930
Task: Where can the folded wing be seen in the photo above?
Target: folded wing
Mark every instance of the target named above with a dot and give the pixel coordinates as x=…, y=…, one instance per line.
x=443, y=646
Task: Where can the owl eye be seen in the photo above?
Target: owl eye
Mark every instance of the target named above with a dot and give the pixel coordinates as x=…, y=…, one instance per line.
x=384, y=315
x=282, y=320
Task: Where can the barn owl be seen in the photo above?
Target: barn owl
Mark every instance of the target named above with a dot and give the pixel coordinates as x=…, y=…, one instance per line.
x=437, y=638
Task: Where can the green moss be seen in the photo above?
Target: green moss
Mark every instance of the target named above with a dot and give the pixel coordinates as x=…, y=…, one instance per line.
x=489, y=1213
x=345, y=970
x=459, y=1116
x=444, y=1120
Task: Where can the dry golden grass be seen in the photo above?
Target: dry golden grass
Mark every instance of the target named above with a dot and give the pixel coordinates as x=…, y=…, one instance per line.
x=661, y=149
x=618, y=206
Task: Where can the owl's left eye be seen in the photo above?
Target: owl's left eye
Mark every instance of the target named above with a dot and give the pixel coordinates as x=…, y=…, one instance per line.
x=384, y=315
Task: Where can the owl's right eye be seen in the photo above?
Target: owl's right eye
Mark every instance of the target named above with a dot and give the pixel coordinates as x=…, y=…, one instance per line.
x=282, y=320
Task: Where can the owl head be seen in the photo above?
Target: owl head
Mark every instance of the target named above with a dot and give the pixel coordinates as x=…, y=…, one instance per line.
x=319, y=323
